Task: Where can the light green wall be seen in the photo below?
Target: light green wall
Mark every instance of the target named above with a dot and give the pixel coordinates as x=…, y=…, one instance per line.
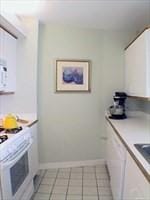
x=71, y=124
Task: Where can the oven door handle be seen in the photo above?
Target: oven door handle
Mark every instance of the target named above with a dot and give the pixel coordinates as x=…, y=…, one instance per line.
x=16, y=156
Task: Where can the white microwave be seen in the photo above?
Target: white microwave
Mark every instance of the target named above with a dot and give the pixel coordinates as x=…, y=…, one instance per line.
x=3, y=75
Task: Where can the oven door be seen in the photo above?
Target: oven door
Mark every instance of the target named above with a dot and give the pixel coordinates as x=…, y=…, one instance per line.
x=15, y=174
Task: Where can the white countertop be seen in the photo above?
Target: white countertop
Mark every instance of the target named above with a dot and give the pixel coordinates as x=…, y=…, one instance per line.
x=135, y=129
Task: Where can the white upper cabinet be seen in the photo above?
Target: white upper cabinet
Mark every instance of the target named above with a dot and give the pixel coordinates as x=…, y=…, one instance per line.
x=8, y=61
x=137, y=66
x=13, y=24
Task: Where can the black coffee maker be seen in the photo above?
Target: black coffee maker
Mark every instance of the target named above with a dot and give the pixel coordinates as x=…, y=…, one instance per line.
x=117, y=110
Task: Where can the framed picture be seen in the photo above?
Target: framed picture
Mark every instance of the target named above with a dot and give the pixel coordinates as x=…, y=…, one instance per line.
x=72, y=76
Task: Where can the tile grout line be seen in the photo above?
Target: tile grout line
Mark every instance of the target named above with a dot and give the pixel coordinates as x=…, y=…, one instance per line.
x=82, y=180
x=96, y=183
x=53, y=184
x=35, y=192
x=41, y=180
x=69, y=180
x=68, y=184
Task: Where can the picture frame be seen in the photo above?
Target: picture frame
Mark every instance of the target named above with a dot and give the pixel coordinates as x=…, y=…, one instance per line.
x=73, y=75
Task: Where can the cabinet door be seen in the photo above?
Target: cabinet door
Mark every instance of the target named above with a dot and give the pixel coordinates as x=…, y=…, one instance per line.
x=1, y=44
x=3, y=73
x=116, y=155
x=0, y=193
x=34, y=164
x=10, y=57
x=136, y=66
x=136, y=187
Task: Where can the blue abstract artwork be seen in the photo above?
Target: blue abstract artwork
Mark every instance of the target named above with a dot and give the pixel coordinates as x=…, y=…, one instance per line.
x=72, y=75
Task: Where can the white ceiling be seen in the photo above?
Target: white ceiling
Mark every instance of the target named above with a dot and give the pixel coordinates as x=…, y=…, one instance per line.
x=99, y=14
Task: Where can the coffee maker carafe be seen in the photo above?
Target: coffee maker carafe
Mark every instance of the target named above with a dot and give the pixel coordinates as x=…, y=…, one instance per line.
x=117, y=110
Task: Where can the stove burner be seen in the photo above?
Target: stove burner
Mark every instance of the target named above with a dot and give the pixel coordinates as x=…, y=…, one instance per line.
x=1, y=129
x=3, y=138
x=13, y=131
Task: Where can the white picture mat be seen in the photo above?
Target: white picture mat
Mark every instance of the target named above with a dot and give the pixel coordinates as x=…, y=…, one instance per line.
x=60, y=86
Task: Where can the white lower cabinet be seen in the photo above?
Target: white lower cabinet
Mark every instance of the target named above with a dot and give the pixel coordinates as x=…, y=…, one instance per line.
x=0, y=193
x=34, y=163
x=136, y=187
x=126, y=179
x=116, y=157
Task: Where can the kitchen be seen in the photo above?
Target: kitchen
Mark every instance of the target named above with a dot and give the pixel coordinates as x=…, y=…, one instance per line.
x=70, y=133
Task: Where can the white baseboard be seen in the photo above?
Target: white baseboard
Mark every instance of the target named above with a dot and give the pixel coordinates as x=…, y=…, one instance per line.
x=72, y=164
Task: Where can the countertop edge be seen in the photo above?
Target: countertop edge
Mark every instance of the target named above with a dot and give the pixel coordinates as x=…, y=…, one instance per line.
x=142, y=169
x=32, y=123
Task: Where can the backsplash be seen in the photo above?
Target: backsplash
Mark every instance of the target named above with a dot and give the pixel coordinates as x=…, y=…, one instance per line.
x=138, y=105
x=146, y=107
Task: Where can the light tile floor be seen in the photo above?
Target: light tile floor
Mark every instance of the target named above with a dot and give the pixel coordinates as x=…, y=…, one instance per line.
x=78, y=183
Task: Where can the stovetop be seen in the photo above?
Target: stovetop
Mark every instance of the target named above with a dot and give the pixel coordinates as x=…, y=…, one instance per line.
x=5, y=134
x=11, y=131
x=3, y=138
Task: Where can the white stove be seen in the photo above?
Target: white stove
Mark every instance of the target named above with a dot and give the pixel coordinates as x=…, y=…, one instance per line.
x=15, y=162
x=14, y=142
